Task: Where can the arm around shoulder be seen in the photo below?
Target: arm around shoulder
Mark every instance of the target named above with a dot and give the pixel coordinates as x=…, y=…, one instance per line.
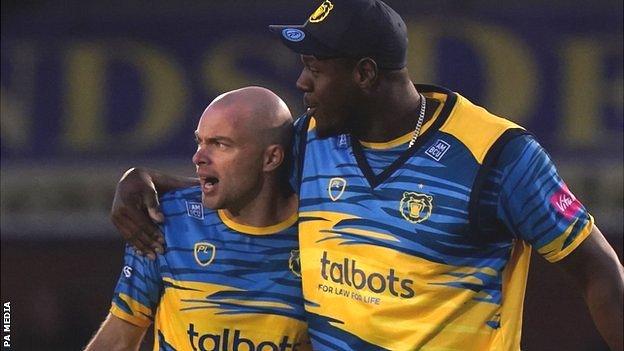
x=595, y=267
x=135, y=210
x=116, y=334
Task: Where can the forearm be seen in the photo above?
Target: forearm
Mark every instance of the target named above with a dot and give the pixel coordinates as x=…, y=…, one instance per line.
x=109, y=342
x=595, y=267
x=165, y=182
x=116, y=334
x=604, y=300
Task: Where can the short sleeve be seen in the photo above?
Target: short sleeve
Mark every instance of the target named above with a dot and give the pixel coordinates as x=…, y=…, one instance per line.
x=138, y=290
x=535, y=204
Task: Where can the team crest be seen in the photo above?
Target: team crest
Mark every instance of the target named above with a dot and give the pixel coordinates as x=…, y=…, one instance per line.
x=294, y=263
x=321, y=12
x=416, y=207
x=336, y=187
x=204, y=253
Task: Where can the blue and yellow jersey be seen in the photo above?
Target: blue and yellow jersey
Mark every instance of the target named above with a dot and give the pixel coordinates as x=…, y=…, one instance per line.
x=218, y=286
x=428, y=248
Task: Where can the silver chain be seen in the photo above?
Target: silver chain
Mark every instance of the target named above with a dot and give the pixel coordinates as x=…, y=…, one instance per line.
x=421, y=118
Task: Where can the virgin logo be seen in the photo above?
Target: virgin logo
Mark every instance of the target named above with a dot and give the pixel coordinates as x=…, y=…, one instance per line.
x=564, y=202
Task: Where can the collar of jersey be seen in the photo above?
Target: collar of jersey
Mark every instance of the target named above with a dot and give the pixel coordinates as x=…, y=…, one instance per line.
x=404, y=138
x=441, y=114
x=253, y=230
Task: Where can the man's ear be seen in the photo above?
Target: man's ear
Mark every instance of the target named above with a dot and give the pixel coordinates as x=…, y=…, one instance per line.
x=365, y=73
x=273, y=157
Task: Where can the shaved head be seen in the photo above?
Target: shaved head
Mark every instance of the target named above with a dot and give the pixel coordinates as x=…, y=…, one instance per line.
x=243, y=148
x=259, y=111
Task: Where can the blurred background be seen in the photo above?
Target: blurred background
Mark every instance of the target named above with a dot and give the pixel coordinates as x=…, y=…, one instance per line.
x=92, y=88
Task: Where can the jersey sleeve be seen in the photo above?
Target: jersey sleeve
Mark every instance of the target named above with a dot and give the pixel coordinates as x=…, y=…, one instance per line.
x=534, y=202
x=138, y=290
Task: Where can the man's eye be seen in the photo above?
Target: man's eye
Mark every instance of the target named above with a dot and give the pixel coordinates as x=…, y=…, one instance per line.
x=312, y=70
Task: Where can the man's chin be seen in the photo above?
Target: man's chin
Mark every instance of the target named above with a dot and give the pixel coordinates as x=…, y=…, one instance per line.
x=328, y=132
x=210, y=203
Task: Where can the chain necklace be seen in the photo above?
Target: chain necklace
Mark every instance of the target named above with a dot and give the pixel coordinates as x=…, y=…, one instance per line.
x=421, y=118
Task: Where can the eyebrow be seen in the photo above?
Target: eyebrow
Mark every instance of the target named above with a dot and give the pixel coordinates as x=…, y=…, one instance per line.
x=215, y=138
x=307, y=59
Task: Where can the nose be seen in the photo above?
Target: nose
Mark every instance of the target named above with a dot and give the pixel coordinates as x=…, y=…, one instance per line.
x=303, y=82
x=201, y=156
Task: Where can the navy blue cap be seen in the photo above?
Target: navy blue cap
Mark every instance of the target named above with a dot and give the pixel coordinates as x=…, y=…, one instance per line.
x=350, y=28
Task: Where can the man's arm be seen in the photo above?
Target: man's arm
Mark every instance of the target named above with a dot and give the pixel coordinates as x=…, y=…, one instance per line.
x=597, y=270
x=116, y=334
x=536, y=206
x=135, y=209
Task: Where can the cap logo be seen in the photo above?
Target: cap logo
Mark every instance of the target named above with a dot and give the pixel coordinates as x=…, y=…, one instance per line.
x=321, y=12
x=293, y=34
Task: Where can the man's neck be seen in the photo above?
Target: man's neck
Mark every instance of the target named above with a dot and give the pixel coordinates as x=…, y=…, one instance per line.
x=271, y=206
x=391, y=114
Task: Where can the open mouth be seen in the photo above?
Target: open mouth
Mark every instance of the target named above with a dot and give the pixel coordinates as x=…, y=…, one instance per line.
x=209, y=183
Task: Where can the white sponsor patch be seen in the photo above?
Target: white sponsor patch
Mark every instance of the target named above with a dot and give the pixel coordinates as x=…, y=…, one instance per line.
x=195, y=209
x=438, y=149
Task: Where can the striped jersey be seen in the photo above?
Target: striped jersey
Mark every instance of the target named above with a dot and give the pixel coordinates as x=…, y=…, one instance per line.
x=219, y=285
x=428, y=247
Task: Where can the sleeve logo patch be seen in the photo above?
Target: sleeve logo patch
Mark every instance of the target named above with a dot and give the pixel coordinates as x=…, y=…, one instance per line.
x=195, y=209
x=565, y=203
x=127, y=271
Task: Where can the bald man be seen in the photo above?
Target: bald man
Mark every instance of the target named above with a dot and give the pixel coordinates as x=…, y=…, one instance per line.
x=229, y=278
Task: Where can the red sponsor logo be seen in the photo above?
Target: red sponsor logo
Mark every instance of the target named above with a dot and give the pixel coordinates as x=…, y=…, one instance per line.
x=564, y=202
